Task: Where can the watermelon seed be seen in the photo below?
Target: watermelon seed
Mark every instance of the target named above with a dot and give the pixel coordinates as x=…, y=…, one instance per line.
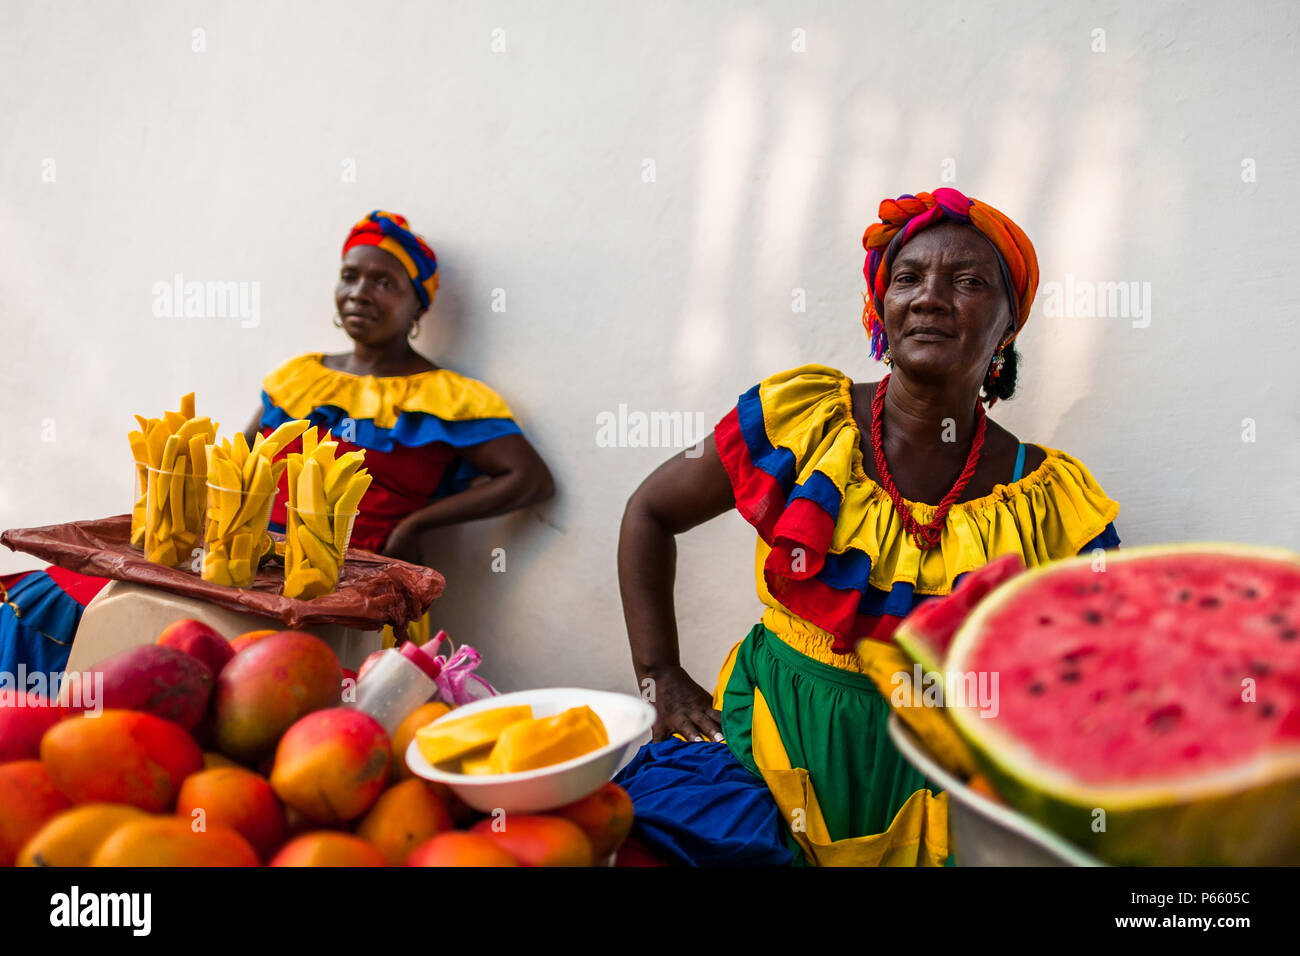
x=1165, y=719
x=1092, y=617
x=1289, y=634
x=1209, y=601
x=1267, y=710
x=1044, y=620
x=1070, y=676
x=1036, y=688
x=1277, y=618
x=1184, y=595
x=1260, y=668
x=1250, y=593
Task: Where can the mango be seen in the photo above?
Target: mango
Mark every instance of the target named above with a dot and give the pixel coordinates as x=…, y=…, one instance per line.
x=23, y=722
x=268, y=686
x=449, y=739
x=460, y=849
x=121, y=756
x=404, y=816
x=327, y=848
x=422, y=716
x=28, y=798
x=238, y=799
x=538, y=840
x=544, y=741
x=198, y=640
x=163, y=681
x=169, y=841
x=332, y=765
x=605, y=816
x=72, y=837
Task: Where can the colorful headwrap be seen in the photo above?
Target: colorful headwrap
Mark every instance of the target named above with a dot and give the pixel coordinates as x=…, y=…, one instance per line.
x=390, y=232
x=902, y=218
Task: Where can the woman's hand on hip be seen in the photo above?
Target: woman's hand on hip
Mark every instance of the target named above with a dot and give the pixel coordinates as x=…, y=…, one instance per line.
x=683, y=707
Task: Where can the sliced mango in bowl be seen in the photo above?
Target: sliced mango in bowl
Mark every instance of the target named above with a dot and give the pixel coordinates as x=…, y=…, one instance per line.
x=542, y=741
x=451, y=739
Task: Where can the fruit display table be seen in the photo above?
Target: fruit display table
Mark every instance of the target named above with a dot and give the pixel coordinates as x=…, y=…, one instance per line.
x=372, y=591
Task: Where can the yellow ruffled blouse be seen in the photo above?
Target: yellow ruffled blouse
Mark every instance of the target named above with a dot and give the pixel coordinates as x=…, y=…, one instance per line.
x=833, y=562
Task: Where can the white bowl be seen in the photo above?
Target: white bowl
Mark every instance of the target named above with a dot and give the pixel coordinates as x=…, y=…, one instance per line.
x=626, y=719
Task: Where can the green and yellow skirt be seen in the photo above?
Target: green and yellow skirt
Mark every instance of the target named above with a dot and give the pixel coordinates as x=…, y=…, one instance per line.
x=807, y=774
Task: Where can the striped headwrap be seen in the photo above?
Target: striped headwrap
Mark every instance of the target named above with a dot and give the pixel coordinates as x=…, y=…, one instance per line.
x=390, y=232
x=902, y=218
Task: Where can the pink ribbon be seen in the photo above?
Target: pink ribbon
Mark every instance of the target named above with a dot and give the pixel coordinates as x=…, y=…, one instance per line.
x=457, y=683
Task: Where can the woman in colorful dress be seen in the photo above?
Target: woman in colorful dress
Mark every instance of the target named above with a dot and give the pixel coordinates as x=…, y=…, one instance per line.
x=441, y=448
x=867, y=498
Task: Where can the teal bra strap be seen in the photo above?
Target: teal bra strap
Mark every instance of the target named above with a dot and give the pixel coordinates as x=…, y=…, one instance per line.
x=1020, y=463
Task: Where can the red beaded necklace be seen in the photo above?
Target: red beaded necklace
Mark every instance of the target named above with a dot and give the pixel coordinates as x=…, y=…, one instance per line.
x=926, y=536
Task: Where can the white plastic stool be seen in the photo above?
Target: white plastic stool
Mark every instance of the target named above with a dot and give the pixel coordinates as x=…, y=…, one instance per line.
x=124, y=615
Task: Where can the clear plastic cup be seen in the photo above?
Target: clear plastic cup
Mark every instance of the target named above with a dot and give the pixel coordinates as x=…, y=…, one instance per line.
x=139, y=502
x=234, y=534
x=175, y=503
x=314, y=547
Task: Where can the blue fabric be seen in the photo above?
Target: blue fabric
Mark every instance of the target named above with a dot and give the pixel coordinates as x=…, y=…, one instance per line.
x=1109, y=538
x=41, y=638
x=1020, y=463
x=697, y=805
x=822, y=492
x=777, y=462
x=412, y=429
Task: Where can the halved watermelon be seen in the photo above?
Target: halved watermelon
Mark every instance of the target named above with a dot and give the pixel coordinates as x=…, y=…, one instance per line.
x=1148, y=710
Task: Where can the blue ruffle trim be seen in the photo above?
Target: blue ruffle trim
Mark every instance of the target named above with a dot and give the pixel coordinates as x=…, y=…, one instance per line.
x=412, y=430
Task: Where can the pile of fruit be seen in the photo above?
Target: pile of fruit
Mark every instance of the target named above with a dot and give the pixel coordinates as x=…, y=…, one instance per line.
x=205, y=752
x=1145, y=706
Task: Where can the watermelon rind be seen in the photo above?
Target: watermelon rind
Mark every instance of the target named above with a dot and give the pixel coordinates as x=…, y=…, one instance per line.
x=1246, y=815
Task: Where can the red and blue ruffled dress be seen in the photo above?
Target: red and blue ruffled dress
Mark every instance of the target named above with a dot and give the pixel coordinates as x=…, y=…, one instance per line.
x=411, y=428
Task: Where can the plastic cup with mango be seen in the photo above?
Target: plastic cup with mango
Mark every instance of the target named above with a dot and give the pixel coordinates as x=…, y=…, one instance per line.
x=235, y=540
x=174, y=507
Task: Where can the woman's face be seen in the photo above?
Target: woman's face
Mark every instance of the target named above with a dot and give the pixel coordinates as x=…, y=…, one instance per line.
x=374, y=296
x=946, y=308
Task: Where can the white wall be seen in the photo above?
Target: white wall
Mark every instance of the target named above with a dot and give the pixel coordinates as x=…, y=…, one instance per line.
x=524, y=168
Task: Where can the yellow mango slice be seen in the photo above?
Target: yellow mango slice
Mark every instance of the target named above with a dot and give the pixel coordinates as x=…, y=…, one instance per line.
x=450, y=739
x=478, y=763
x=548, y=740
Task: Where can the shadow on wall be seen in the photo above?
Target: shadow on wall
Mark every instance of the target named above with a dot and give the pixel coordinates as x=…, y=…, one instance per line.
x=766, y=192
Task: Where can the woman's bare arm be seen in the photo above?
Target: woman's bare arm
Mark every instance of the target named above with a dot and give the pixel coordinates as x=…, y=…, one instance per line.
x=680, y=494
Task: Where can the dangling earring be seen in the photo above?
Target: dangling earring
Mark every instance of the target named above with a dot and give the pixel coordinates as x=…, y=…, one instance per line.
x=887, y=358
x=995, y=370
x=415, y=329
x=338, y=322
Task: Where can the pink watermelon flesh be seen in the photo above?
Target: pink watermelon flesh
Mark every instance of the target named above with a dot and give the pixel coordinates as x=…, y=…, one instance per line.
x=928, y=631
x=1136, y=674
